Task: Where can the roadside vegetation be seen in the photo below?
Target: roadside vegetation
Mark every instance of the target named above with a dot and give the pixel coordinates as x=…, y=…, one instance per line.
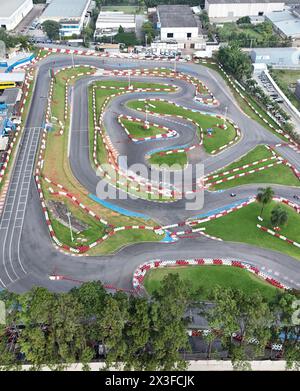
x=90, y=324
x=287, y=80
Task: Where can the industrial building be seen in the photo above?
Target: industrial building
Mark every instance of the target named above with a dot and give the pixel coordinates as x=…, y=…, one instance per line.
x=286, y=23
x=178, y=23
x=108, y=23
x=13, y=11
x=277, y=57
x=231, y=10
x=72, y=15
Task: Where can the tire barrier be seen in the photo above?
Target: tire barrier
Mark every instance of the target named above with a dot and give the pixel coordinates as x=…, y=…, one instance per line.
x=168, y=132
x=140, y=273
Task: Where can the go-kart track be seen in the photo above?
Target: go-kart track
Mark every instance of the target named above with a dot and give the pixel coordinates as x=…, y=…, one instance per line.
x=28, y=255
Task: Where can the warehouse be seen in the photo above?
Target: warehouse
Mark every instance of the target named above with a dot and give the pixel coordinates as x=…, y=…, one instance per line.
x=277, y=57
x=231, y=10
x=108, y=23
x=13, y=11
x=71, y=14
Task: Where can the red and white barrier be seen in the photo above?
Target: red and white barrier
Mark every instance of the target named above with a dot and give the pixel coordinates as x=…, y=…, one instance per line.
x=168, y=132
x=141, y=271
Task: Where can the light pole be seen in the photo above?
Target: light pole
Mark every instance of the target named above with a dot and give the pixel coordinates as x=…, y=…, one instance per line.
x=146, y=122
x=129, y=73
x=70, y=226
x=225, y=116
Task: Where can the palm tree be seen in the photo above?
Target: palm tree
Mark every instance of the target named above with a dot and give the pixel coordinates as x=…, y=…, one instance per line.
x=264, y=197
x=279, y=216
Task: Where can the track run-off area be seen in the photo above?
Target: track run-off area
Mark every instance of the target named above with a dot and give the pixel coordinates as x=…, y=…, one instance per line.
x=29, y=255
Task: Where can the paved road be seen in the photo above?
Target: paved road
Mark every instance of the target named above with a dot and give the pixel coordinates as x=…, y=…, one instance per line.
x=35, y=257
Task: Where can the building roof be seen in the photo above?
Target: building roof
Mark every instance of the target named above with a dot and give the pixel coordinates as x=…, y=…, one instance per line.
x=65, y=9
x=8, y=7
x=176, y=16
x=115, y=17
x=276, y=56
x=285, y=21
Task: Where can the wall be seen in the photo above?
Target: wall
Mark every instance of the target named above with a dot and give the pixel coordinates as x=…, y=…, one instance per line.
x=235, y=10
x=17, y=16
x=179, y=33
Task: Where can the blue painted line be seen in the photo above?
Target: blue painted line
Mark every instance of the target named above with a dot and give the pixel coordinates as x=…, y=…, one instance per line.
x=118, y=209
x=223, y=208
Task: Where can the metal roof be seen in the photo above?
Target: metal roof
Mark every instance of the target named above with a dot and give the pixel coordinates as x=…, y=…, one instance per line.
x=65, y=9
x=8, y=7
x=286, y=22
x=176, y=16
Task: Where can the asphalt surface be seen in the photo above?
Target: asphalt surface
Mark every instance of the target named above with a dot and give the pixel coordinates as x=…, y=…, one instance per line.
x=28, y=256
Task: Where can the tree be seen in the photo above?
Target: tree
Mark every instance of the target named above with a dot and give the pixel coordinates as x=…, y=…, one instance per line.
x=53, y=333
x=121, y=30
x=128, y=39
x=167, y=328
x=237, y=312
x=235, y=61
x=264, y=197
x=51, y=28
x=244, y=20
x=148, y=30
x=279, y=216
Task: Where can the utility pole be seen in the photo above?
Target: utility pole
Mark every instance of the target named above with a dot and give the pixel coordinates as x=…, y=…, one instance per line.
x=70, y=226
x=146, y=122
x=129, y=73
x=225, y=116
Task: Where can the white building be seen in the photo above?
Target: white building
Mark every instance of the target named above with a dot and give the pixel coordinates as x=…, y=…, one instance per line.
x=13, y=11
x=230, y=10
x=178, y=23
x=108, y=23
x=71, y=14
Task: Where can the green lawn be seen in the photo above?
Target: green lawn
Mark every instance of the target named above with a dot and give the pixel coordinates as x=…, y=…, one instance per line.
x=219, y=137
x=287, y=80
x=137, y=129
x=207, y=278
x=240, y=226
x=124, y=238
x=179, y=158
x=278, y=174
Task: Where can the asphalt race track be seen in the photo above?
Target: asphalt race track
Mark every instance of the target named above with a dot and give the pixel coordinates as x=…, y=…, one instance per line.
x=28, y=256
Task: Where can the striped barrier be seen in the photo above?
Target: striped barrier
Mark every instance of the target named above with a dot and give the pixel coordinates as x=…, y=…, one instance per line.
x=168, y=132
x=140, y=273
x=220, y=149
